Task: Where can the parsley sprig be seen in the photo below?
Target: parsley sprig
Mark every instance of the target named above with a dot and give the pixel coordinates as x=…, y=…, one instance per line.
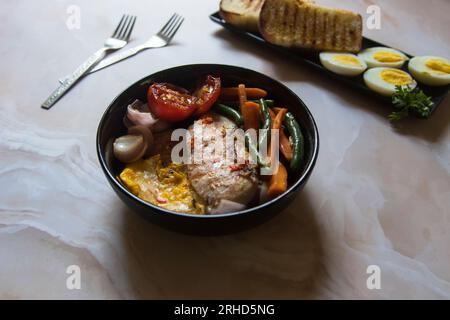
x=409, y=100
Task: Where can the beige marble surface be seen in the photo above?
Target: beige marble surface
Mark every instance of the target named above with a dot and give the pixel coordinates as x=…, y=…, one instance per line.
x=379, y=195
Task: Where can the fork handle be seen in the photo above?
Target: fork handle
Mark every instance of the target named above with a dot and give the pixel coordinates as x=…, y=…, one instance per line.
x=118, y=57
x=70, y=81
x=112, y=60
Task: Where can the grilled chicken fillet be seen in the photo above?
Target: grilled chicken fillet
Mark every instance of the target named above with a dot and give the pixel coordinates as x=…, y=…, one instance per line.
x=215, y=178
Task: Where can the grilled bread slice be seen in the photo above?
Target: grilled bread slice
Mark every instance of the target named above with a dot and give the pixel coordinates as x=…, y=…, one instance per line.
x=302, y=24
x=241, y=13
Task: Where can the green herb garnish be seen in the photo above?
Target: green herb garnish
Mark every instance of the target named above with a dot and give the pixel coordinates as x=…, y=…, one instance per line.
x=409, y=100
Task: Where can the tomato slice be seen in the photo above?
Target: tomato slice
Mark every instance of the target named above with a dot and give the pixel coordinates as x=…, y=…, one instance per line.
x=170, y=103
x=207, y=94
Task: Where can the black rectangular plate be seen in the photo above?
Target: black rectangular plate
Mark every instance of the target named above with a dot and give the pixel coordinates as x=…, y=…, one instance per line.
x=436, y=93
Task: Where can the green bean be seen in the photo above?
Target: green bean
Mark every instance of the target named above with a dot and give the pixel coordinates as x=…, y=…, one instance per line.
x=237, y=118
x=264, y=138
x=252, y=148
x=298, y=148
x=229, y=113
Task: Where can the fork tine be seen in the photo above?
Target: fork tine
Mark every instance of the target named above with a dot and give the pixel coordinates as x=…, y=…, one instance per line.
x=123, y=28
x=118, y=26
x=130, y=28
x=163, y=29
x=169, y=30
x=175, y=28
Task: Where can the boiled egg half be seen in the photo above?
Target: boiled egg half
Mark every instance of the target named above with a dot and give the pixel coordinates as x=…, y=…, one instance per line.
x=383, y=57
x=433, y=71
x=384, y=80
x=345, y=64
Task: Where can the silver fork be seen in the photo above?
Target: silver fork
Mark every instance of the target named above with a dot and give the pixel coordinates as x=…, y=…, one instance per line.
x=118, y=40
x=160, y=39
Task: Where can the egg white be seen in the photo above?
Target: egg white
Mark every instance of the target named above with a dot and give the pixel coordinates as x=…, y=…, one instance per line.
x=328, y=61
x=375, y=82
x=368, y=56
x=418, y=68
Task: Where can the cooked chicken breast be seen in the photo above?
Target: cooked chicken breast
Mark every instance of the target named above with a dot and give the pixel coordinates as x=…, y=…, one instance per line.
x=215, y=178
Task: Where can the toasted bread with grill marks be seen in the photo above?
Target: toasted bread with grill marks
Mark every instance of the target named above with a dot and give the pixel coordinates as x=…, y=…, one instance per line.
x=303, y=24
x=242, y=13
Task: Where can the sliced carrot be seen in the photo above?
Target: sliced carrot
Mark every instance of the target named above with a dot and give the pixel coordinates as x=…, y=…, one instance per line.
x=251, y=116
x=242, y=97
x=272, y=114
x=276, y=124
x=276, y=109
x=278, y=182
x=285, y=144
x=233, y=92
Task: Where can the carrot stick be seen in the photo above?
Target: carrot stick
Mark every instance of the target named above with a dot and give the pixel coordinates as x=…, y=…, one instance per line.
x=276, y=110
x=272, y=114
x=233, y=92
x=251, y=116
x=285, y=144
x=276, y=124
x=242, y=97
x=278, y=182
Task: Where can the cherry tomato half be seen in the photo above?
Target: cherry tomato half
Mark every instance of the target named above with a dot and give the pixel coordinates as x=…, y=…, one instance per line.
x=207, y=94
x=170, y=103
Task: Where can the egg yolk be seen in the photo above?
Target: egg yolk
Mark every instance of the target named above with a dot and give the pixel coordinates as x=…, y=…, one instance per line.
x=396, y=77
x=439, y=66
x=383, y=56
x=347, y=60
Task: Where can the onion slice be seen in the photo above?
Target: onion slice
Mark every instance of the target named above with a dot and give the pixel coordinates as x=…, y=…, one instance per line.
x=226, y=206
x=138, y=113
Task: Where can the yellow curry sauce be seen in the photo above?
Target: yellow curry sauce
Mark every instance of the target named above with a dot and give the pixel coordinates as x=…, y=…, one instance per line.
x=167, y=187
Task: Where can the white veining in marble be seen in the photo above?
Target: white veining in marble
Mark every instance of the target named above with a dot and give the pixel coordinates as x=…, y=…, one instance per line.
x=379, y=195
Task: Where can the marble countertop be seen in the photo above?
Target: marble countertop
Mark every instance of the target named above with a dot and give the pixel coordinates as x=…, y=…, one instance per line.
x=379, y=195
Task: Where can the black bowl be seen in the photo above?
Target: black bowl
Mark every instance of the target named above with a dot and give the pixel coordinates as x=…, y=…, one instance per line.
x=111, y=127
